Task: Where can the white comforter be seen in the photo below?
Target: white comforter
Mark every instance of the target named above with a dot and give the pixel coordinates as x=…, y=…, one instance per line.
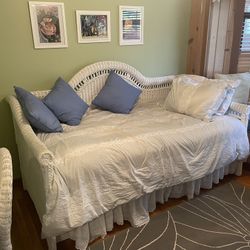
x=110, y=159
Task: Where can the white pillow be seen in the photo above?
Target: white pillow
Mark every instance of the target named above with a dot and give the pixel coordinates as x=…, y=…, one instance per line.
x=242, y=91
x=229, y=97
x=197, y=96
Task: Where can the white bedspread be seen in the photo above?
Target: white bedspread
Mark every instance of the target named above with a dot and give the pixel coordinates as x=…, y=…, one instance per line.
x=110, y=159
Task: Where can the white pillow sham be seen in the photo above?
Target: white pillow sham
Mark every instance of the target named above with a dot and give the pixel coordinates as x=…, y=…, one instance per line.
x=199, y=97
x=228, y=99
x=241, y=94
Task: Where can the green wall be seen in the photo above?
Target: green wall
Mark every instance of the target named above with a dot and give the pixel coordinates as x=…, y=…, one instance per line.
x=164, y=50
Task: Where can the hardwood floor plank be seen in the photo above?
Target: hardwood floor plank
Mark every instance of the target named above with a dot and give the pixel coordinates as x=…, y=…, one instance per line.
x=26, y=227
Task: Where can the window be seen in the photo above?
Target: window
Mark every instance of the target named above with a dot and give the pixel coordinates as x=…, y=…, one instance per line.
x=245, y=37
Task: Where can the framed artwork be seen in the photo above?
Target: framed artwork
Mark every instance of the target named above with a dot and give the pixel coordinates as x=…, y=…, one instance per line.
x=131, y=25
x=48, y=24
x=93, y=26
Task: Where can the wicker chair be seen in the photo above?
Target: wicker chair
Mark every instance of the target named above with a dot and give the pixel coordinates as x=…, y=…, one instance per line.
x=5, y=199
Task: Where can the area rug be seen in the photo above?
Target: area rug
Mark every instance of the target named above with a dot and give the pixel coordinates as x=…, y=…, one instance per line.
x=219, y=219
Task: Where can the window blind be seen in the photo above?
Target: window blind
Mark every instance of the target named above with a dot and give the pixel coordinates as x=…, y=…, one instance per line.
x=245, y=36
x=247, y=6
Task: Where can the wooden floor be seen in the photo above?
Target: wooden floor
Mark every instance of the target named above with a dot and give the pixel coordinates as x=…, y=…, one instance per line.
x=26, y=227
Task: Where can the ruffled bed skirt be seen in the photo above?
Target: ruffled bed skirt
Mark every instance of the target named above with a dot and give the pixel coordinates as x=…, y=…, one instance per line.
x=137, y=211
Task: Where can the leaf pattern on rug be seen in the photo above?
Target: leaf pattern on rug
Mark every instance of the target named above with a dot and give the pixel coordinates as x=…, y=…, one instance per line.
x=136, y=238
x=219, y=219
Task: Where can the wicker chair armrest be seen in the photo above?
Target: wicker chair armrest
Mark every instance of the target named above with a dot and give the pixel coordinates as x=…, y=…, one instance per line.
x=240, y=111
x=6, y=180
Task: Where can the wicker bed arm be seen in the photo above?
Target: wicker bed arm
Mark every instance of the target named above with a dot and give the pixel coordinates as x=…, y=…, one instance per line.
x=25, y=135
x=240, y=111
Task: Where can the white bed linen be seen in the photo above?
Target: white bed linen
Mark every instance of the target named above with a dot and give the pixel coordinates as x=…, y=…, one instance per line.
x=137, y=211
x=110, y=159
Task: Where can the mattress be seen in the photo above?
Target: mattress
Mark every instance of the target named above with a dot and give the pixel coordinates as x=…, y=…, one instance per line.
x=110, y=159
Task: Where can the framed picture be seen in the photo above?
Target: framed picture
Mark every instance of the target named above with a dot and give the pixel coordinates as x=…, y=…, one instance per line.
x=48, y=24
x=93, y=26
x=131, y=25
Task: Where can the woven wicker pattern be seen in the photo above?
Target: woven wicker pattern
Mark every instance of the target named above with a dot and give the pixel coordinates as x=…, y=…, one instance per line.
x=29, y=142
x=89, y=81
x=240, y=111
x=5, y=199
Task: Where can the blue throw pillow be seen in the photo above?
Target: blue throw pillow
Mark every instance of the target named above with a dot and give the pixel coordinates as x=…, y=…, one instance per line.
x=39, y=116
x=65, y=103
x=117, y=95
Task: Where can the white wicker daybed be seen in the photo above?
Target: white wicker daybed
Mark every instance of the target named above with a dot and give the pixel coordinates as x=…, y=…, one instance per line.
x=116, y=167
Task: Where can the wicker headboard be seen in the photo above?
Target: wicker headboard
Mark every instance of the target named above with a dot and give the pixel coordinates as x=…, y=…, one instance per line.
x=89, y=81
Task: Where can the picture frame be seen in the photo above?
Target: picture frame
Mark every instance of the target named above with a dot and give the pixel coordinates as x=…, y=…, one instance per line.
x=93, y=26
x=131, y=25
x=48, y=25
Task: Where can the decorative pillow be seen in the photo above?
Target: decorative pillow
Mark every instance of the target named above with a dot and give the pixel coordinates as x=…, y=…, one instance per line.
x=198, y=97
x=242, y=91
x=117, y=95
x=232, y=85
x=39, y=116
x=63, y=101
